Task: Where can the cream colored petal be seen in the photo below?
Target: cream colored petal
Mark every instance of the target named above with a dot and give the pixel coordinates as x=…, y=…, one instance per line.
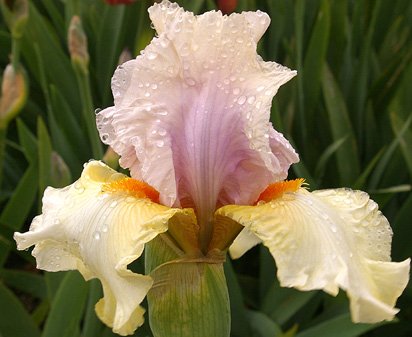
x=328, y=240
x=243, y=242
x=85, y=227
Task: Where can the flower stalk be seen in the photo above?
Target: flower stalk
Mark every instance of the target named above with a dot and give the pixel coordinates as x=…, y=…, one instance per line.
x=77, y=41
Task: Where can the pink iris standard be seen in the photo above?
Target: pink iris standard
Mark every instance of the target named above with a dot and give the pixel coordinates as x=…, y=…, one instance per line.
x=191, y=122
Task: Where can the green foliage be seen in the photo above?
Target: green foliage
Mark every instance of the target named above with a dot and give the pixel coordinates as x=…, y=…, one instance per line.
x=348, y=113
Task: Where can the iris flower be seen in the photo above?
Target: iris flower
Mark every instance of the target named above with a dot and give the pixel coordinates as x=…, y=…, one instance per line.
x=191, y=122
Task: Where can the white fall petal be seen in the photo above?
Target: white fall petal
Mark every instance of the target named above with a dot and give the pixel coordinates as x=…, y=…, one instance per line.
x=99, y=233
x=329, y=239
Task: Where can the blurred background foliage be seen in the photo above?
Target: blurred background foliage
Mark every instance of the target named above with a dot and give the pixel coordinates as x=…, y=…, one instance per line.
x=348, y=113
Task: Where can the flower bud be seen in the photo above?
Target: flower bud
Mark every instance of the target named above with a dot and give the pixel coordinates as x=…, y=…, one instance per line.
x=77, y=40
x=226, y=6
x=13, y=94
x=16, y=13
x=60, y=172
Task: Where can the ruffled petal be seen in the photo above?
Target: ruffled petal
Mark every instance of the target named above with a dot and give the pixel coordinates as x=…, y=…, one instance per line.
x=330, y=239
x=191, y=114
x=99, y=225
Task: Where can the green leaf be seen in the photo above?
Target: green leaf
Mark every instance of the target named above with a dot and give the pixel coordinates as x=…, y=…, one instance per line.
x=19, y=205
x=340, y=326
x=280, y=304
x=29, y=283
x=315, y=58
x=240, y=323
x=109, y=39
x=92, y=325
x=387, y=156
x=44, y=155
x=262, y=325
x=403, y=231
x=326, y=155
x=14, y=320
x=67, y=307
x=28, y=141
x=405, y=138
x=347, y=156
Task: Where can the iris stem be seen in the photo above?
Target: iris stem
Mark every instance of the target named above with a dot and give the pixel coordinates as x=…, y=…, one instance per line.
x=3, y=132
x=87, y=110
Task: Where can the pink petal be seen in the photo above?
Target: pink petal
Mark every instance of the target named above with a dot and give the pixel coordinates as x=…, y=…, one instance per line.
x=191, y=114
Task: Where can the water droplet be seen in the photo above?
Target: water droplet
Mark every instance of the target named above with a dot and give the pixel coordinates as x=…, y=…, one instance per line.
x=190, y=81
x=333, y=228
x=96, y=235
x=154, y=86
x=241, y=100
x=113, y=204
x=105, y=228
x=105, y=137
x=161, y=112
x=251, y=99
x=147, y=94
x=151, y=55
x=160, y=143
x=164, y=43
x=161, y=132
x=97, y=111
x=325, y=216
x=79, y=187
x=260, y=88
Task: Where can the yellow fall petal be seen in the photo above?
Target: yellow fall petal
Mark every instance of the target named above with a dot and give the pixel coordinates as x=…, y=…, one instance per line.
x=329, y=239
x=99, y=225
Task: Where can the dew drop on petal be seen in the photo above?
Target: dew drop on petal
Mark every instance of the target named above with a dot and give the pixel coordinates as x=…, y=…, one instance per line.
x=79, y=187
x=251, y=99
x=96, y=235
x=241, y=100
x=190, y=81
x=151, y=55
x=160, y=143
x=113, y=204
x=105, y=228
x=260, y=88
x=161, y=113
